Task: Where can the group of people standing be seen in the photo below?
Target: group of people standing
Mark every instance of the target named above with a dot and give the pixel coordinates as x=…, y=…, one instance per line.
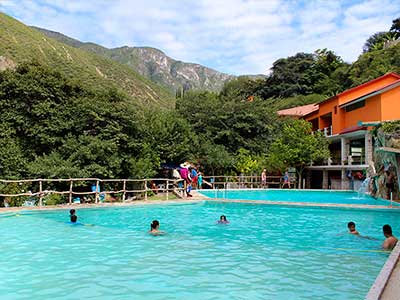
x=285, y=180
x=193, y=178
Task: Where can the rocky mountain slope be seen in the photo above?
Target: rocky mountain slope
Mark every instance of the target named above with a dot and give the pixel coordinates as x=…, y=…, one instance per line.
x=20, y=43
x=154, y=64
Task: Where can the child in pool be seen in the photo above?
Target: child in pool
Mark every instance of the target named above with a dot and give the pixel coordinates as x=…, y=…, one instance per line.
x=223, y=220
x=352, y=228
x=155, y=228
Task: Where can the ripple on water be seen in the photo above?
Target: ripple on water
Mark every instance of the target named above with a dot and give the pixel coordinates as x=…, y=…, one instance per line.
x=264, y=253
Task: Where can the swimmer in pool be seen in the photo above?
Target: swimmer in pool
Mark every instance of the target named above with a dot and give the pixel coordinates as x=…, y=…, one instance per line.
x=73, y=218
x=352, y=228
x=222, y=220
x=391, y=240
x=155, y=228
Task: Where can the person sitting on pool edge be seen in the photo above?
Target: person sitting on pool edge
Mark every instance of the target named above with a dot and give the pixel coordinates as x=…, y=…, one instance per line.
x=222, y=220
x=154, y=228
x=391, y=240
x=352, y=228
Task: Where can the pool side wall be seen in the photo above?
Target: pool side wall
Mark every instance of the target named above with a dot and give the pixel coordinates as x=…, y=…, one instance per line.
x=386, y=285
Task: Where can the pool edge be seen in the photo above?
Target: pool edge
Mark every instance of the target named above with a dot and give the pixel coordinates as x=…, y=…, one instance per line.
x=386, y=285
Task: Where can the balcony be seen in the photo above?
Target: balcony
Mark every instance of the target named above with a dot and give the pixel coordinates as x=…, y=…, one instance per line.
x=327, y=131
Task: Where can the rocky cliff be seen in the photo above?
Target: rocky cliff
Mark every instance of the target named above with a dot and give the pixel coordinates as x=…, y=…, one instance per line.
x=154, y=64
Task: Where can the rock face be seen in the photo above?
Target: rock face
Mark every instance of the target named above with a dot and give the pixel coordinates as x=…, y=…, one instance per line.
x=160, y=68
x=155, y=65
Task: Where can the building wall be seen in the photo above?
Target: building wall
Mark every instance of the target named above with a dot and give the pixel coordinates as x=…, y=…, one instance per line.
x=391, y=104
x=385, y=106
x=370, y=112
x=362, y=90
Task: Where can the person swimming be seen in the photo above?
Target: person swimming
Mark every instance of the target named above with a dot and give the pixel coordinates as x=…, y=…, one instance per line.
x=72, y=216
x=391, y=240
x=222, y=220
x=352, y=228
x=155, y=228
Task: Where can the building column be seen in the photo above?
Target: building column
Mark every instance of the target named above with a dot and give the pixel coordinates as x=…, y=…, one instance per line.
x=308, y=179
x=345, y=185
x=325, y=179
x=369, y=149
x=345, y=149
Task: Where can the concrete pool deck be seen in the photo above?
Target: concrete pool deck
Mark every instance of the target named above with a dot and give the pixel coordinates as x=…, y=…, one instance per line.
x=386, y=286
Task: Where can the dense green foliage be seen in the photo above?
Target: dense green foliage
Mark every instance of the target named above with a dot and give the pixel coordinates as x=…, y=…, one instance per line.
x=304, y=74
x=236, y=133
x=52, y=126
x=297, y=147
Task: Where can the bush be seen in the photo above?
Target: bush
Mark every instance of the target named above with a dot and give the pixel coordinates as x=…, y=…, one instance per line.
x=54, y=199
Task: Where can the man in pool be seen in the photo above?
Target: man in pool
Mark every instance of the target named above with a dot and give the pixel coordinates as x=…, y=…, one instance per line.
x=391, y=240
x=352, y=228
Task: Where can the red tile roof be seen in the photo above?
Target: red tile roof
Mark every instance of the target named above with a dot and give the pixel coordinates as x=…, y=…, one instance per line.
x=299, y=111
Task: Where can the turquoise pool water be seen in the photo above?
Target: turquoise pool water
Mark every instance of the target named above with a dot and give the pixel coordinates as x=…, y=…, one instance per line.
x=341, y=197
x=266, y=252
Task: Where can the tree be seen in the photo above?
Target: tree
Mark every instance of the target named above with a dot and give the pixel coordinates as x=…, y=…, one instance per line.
x=245, y=162
x=215, y=159
x=290, y=76
x=297, y=147
x=303, y=74
x=373, y=64
x=230, y=122
x=52, y=126
x=377, y=41
x=396, y=27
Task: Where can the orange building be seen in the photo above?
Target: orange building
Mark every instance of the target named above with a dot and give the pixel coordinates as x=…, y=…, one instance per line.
x=343, y=118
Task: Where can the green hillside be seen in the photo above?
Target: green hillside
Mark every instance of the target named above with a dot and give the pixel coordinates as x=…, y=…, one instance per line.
x=20, y=43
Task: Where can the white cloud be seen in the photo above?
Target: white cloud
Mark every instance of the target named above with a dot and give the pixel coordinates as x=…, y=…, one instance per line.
x=236, y=36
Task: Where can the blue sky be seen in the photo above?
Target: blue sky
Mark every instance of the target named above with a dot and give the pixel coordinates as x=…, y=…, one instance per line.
x=232, y=36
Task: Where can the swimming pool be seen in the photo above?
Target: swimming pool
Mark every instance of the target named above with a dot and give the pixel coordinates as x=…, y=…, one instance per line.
x=309, y=196
x=266, y=252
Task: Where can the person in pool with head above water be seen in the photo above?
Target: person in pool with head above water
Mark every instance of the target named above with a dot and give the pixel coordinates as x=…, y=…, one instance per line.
x=155, y=228
x=72, y=216
x=222, y=220
x=391, y=240
x=352, y=228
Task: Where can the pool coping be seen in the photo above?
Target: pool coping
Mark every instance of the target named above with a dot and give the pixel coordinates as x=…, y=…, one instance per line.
x=6, y=210
x=198, y=194
x=386, y=285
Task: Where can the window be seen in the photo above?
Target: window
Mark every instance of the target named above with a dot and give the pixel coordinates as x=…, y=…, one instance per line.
x=335, y=109
x=355, y=106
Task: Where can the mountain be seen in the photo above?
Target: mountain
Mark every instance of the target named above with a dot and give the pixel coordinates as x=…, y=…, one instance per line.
x=20, y=43
x=153, y=64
